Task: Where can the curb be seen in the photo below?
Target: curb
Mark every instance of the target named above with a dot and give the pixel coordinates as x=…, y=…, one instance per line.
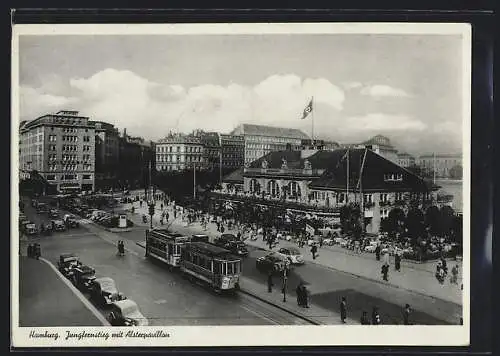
x=294, y=313
x=371, y=279
x=78, y=294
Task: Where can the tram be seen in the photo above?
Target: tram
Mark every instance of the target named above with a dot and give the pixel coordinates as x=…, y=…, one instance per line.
x=210, y=264
x=196, y=258
x=165, y=246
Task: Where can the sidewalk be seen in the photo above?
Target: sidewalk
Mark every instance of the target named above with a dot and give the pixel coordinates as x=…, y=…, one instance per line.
x=314, y=313
x=416, y=278
x=45, y=300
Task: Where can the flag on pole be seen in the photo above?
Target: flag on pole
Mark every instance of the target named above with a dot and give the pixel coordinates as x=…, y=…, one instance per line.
x=307, y=110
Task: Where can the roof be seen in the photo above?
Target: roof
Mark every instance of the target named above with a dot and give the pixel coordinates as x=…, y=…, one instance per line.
x=234, y=177
x=375, y=167
x=211, y=249
x=272, y=131
x=274, y=159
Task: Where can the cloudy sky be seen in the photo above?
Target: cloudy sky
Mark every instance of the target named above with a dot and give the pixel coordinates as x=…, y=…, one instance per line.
x=407, y=87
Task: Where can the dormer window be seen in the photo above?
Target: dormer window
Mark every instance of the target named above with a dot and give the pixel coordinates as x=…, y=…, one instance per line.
x=393, y=177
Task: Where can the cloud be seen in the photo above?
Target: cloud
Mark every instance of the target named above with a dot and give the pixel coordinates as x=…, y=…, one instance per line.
x=152, y=109
x=352, y=85
x=383, y=123
x=35, y=102
x=383, y=90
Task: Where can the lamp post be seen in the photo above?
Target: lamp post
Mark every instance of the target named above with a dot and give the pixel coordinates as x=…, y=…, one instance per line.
x=285, y=278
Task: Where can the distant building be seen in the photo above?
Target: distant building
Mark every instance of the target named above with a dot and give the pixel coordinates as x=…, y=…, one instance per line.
x=440, y=163
x=261, y=140
x=211, y=149
x=233, y=151
x=61, y=148
x=136, y=158
x=178, y=152
x=319, y=144
x=107, y=153
x=382, y=146
x=406, y=160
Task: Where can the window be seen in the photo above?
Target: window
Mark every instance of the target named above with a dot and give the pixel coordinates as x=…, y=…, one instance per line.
x=272, y=188
x=399, y=196
x=384, y=197
x=368, y=198
x=178, y=149
x=50, y=177
x=87, y=176
x=384, y=213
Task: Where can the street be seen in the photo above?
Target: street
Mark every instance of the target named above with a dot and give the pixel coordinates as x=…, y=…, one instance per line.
x=163, y=297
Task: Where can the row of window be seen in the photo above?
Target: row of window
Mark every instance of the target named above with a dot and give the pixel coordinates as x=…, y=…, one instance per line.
x=216, y=267
x=190, y=149
x=175, y=158
x=393, y=177
x=68, y=167
x=271, y=139
x=68, y=176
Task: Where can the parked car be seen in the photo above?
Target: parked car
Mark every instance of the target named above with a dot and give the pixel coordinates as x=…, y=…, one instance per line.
x=238, y=248
x=30, y=228
x=42, y=208
x=71, y=220
x=292, y=254
x=271, y=262
x=53, y=213
x=126, y=313
x=200, y=238
x=67, y=262
x=104, y=291
x=58, y=225
x=83, y=277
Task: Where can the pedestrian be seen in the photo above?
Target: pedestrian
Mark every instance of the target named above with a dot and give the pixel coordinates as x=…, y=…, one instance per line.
x=377, y=252
x=397, y=262
x=375, y=316
x=38, y=251
x=30, y=250
x=270, y=282
x=443, y=263
x=167, y=216
x=140, y=203
x=305, y=296
x=161, y=206
x=385, y=272
x=454, y=275
x=343, y=310
x=161, y=221
x=364, y=319
x=314, y=249
x=298, y=291
x=406, y=315
x=239, y=235
x=222, y=229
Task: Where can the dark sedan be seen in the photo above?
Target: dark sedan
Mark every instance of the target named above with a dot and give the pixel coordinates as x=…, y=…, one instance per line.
x=271, y=262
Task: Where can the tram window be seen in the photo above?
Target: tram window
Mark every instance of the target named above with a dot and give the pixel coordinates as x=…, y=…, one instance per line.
x=223, y=269
x=230, y=268
x=217, y=267
x=195, y=259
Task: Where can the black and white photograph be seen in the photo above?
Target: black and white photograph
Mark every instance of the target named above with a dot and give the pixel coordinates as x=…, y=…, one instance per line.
x=240, y=184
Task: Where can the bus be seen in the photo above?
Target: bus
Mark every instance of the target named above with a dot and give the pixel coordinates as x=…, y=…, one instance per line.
x=165, y=246
x=212, y=265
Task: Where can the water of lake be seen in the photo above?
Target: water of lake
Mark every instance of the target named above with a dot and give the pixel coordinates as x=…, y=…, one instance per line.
x=454, y=188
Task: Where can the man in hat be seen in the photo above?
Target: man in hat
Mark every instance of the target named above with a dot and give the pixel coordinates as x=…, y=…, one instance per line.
x=406, y=314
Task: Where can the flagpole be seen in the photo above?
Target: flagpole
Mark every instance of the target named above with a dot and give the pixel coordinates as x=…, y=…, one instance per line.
x=312, y=121
x=347, y=183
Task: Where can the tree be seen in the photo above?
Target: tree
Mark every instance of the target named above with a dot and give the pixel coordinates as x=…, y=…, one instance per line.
x=457, y=229
x=447, y=214
x=415, y=223
x=433, y=220
x=349, y=219
x=456, y=172
x=395, y=221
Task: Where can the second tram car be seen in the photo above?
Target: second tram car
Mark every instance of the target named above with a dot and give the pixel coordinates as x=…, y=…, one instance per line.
x=212, y=265
x=165, y=246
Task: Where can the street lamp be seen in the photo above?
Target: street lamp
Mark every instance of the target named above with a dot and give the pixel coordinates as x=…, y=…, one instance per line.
x=285, y=278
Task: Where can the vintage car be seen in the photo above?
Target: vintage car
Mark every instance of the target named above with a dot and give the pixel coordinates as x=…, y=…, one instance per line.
x=42, y=208
x=53, y=213
x=200, y=238
x=104, y=291
x=126, y=313
x=67, y=262
x=83, y=277
x=237, y=248
x=71, y=220
x=292, y=254
x=30, y=228
x=58, y=225
x=271, y=263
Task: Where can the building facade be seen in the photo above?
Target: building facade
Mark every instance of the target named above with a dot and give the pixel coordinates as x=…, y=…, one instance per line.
x=233, y=151
x=441, y=164
x=260, y=140
x=61, y=148
x=211, y=149
x=406, y=160
x=179, y=152
x=107, y=154
x=137, y=158
x=318, y=179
